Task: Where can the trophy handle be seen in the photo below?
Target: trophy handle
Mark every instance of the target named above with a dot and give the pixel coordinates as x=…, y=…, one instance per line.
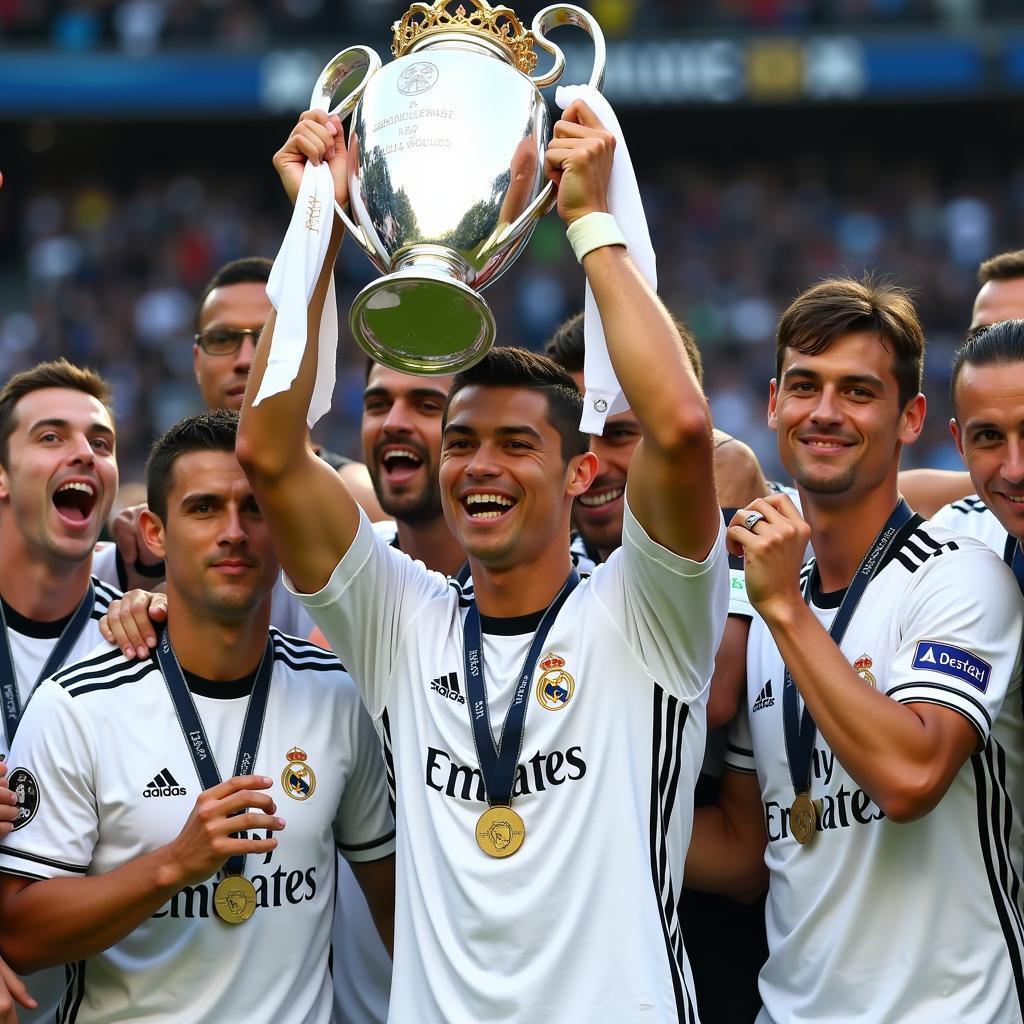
x=339, y=68
x=547, y=19
x=567, y=14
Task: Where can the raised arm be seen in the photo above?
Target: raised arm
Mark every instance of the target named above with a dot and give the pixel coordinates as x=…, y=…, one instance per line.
x=312, y=516
x=671, y=482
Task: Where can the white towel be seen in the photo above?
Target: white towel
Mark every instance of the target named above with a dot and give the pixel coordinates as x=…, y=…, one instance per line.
x=290, y=287
x=604, y=397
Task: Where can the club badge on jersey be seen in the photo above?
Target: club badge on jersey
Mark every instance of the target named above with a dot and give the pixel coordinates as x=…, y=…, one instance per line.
x=298, y=779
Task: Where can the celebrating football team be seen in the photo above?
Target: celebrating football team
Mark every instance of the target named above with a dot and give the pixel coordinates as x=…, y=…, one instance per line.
x=512, y=724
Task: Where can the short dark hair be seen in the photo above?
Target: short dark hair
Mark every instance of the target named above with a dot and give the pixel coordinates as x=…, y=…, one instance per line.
x=1004, y=267
x=837, y=306
x=212, y=431
x=247, y=270
x=58, y=373
x=509, y=367
x=1000, y=344
x=566, y=348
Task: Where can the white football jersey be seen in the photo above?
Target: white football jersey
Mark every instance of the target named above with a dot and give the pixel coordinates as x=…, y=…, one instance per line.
x=31, y=643
x=106, y=775
x=971, y=516
x=879, y=921
x=581, y=923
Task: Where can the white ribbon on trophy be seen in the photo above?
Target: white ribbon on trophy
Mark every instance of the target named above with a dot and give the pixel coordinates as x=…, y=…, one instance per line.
x=604, y=397
x=292, y=280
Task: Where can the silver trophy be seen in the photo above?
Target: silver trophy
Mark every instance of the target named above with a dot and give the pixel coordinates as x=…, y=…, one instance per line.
x=446, y=171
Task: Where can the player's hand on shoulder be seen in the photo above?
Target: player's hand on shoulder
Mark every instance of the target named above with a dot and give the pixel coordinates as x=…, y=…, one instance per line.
x=12, y=994
x=579, y=161
x=317, y=137
x=8, y=803
x=772, y=537
x=220, y=825
x=132, y=621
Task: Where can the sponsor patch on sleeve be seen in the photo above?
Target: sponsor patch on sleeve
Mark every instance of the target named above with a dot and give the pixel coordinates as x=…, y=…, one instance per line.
x=953, y=661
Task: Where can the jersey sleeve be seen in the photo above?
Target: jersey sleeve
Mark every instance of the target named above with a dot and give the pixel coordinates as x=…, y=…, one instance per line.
x=739, y=745
x=365, y=607
x=670, y=610
x=960, y=637
x=52, y=771
x=739, y=603
x=363, y=827
x=104, y=564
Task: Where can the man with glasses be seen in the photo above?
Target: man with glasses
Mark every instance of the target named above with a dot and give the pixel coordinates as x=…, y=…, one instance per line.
x=232, y=311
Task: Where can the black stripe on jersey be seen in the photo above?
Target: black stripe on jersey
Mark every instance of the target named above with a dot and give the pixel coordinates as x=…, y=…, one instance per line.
x=971, y=504
x=79, y=687
x=105, y=593
x=38, y=859
x=302, y=648
x=308, y=665
x=74, y=994
x=663, y=743
x=83, y=668
x=389, y=762
x=356, y=847
x=913, y=555
x=31, y=875
x=982, y=710
x=994, y=810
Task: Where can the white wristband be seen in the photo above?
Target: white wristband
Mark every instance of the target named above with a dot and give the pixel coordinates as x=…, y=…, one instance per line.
x=593, y=231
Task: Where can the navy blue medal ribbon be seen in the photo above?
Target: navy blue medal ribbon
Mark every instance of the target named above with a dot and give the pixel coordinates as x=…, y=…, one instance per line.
x=1014, y=557
x=800, y=729
x=195, y=735
x=499, y=761
x=8, y=678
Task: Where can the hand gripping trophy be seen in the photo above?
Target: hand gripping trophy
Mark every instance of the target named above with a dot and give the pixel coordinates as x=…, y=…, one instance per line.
x=446, y=171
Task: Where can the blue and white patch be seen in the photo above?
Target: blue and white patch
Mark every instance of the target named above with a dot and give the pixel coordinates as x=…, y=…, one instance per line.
x=953, y=661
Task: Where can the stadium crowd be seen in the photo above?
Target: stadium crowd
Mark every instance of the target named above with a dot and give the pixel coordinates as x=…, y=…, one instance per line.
x=109, y=273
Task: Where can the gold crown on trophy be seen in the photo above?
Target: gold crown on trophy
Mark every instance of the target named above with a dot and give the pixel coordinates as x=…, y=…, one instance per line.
x=498, y=25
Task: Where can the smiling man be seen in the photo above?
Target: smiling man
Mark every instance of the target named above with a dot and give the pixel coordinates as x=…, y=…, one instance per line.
x=987, y=394
x=58, y=479
x=876, y=769
x=512, y=853
x=152, y=853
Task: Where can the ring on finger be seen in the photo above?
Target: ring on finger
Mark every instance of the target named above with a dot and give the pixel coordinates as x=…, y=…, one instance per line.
x=752, y=520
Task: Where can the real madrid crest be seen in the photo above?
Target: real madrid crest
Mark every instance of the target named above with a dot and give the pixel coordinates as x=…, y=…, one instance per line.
x=555, y=686
x=298, y=779
x=862, y=666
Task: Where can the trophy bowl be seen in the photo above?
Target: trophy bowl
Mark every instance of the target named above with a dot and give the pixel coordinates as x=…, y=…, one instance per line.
x=446, y=172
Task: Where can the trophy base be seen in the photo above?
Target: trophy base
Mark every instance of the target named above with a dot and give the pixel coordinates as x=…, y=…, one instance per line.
x=422, y=319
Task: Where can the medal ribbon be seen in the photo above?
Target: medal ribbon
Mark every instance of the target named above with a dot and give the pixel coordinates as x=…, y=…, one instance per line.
x=1014, y=558
x=498, y=762
x=195, y=735
x=11, y=699
x=800, y=730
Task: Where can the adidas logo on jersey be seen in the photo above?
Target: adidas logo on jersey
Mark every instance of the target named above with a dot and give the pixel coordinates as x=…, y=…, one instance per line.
x=764, y=698
x=164, y=784
x=448, y=686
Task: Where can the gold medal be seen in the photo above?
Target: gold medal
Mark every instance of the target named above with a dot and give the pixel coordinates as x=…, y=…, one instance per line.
x=234, y=899
x=803, y=819
x=500, y=831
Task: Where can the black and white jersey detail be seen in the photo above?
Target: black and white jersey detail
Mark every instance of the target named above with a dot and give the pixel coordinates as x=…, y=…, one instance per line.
x=945, y=631
x=591, y=932
x=102, y=804
x=30, y=649
x=974, y=518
